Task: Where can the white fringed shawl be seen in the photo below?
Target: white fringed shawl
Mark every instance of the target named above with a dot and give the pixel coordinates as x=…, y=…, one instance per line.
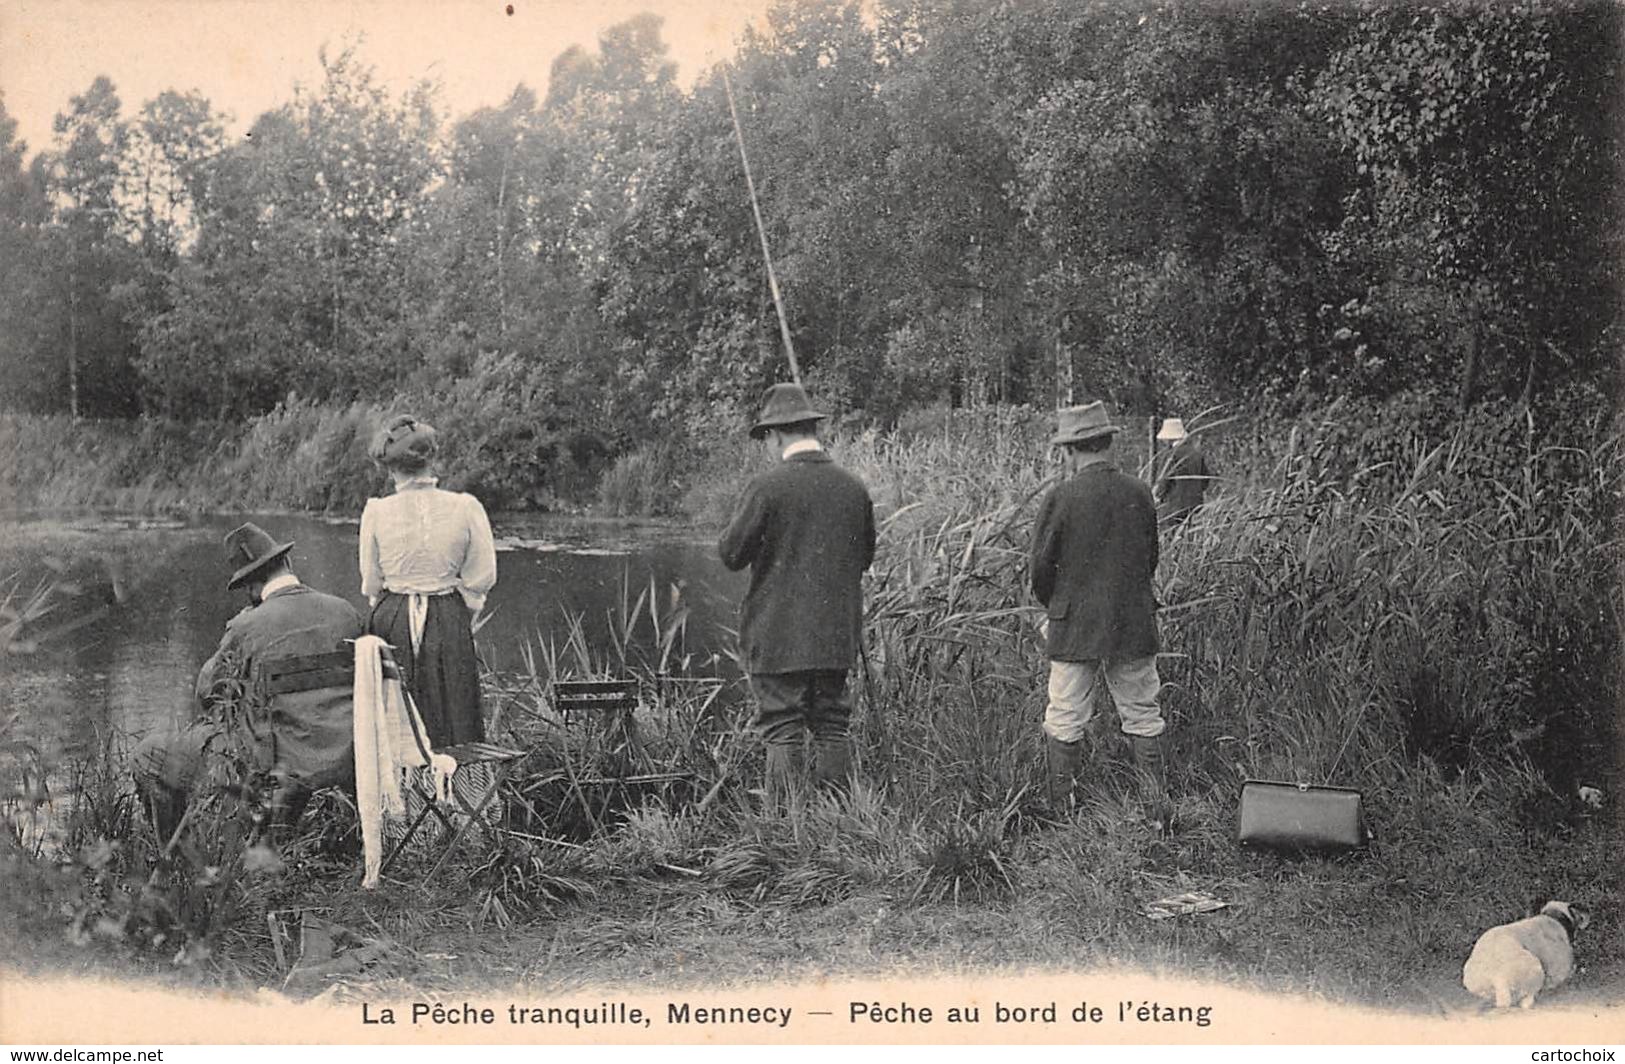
x=389, y=742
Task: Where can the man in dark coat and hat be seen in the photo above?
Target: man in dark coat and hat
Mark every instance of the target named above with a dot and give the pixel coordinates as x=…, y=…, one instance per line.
x=1094, y=551
x=806, y=529
x=303, y=738
x=1183, y=473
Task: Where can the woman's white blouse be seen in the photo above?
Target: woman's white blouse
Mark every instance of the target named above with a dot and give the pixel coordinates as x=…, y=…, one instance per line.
x=425, y=540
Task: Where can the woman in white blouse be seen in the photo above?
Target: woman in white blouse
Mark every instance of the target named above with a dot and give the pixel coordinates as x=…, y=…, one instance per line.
x=427, y=563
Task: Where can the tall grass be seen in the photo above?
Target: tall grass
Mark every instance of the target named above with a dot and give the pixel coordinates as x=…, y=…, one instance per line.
x=1315, y=627
x=1422, y=630
x=1426, y=612
x=1394, y=629
x=116, y=883
x=498, y=438
x=641, y=483
x=304, y=456
x=144, y=466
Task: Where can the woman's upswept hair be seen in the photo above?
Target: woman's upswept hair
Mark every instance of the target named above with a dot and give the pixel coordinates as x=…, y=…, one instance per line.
x=404, y=444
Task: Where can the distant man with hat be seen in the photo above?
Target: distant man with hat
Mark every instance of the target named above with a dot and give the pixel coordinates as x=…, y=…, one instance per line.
x=303, y=739
x=1184, y=475
x=1094, y=551
x=806, y=529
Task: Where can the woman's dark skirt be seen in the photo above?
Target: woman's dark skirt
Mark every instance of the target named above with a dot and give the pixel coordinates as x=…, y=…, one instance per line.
x=443, y=677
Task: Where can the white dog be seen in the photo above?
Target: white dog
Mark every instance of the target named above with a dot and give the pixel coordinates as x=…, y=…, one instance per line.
x=1516, y=961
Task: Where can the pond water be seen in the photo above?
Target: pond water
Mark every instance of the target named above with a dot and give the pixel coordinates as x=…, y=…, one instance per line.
x=137, y=605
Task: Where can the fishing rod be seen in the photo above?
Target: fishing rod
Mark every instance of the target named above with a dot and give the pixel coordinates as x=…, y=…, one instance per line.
x=761, y=231
x=784, y=330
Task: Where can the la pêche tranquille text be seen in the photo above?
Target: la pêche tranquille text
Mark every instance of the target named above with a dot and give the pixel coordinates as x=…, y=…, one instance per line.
x=686, y=1013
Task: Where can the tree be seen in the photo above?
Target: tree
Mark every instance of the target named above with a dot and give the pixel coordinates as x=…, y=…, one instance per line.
x=516, y=239
x=965, y=319
x=1015, y=202
x=90, y=253
x=296, y=281
x=686, y=287
x=1170, y=168
x=1475, y=237
x=24, y=214
x=172, y=145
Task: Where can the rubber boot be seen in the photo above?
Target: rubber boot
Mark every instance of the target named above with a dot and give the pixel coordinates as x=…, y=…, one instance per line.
x=1062, y=760
x=785, y=765
x=1148, y=759
x=832, y=763
x=1150, y=762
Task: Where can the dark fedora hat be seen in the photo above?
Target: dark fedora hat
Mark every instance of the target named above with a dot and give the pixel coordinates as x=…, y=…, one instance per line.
x=251, y=548
x=1075, y=424
x=784, y=404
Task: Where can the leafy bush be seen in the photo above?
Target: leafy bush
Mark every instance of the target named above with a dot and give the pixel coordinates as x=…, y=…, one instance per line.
x=506, y=439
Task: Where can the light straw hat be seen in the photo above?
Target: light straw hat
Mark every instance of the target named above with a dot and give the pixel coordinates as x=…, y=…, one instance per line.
x=1172, y=429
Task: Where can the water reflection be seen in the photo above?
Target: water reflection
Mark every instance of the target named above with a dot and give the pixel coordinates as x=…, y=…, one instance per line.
x=149, y=604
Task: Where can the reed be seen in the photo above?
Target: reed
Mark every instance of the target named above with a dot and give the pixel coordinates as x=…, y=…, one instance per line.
x=1420, y=612
x=146, y=466
x=1314, y=627
x=1320, y=623
x=641, y=483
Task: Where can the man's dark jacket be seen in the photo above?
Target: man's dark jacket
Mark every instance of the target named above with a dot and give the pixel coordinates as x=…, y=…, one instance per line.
x=806, y=528
x=1184, y=481
x=311, y=734
x=1093, y=555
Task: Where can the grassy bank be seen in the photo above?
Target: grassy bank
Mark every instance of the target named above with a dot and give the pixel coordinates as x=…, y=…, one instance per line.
x=147, y=467
x=303, y=456
x=1421, y=611
x=306, y=456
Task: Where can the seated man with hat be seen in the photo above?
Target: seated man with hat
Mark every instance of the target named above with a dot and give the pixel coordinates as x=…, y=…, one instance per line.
x=303, y=739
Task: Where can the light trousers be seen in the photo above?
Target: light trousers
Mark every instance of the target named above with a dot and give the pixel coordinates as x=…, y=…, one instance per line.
x=1133, y=685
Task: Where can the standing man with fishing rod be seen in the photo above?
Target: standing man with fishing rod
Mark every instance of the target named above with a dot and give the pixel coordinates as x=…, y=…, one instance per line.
x=806, y=529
